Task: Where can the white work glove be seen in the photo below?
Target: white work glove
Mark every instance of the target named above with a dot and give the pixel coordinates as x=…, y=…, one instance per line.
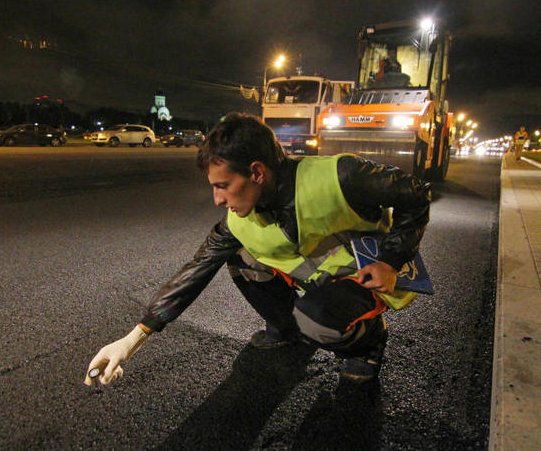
x=109, y=358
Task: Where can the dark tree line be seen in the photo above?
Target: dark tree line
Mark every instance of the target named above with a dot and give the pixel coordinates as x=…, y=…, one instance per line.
x=54, y=112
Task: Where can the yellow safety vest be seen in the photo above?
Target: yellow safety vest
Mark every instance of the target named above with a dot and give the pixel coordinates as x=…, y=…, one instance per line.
x=322, y=215
x=521, y=137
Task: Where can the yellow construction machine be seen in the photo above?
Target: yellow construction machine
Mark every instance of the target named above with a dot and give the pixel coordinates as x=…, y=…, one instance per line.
x=398, y=112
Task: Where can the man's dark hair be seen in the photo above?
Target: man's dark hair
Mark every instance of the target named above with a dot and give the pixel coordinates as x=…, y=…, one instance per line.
x=240, y=139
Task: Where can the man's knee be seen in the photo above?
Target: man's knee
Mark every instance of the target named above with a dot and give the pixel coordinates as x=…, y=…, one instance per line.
x=327, y=315
x=326, y=336
x=242, y=264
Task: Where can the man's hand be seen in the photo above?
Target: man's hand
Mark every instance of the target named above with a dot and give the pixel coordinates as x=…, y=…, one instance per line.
x=109, y=358
x=378, y=276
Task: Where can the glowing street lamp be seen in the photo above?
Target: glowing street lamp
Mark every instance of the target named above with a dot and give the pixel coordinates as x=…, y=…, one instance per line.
x=460, y=123
x=277, y=64
x=280, y=61
x=427, y=24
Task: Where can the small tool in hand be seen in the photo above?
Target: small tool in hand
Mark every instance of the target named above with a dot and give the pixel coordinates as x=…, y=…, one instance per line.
x=94, y=374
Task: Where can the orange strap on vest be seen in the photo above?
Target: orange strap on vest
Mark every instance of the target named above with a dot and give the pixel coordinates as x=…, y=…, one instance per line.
x=379, y=308
x=287, y=278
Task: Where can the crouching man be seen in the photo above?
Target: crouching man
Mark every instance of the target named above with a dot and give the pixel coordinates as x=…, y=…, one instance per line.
x=285, y=239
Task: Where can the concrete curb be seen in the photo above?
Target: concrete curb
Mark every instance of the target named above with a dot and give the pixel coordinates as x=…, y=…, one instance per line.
x=516, y=380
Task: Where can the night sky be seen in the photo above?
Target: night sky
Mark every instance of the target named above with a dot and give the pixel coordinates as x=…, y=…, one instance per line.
x=118, y=53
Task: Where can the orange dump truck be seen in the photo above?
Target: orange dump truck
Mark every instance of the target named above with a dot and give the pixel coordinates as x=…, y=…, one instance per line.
x=398, y=112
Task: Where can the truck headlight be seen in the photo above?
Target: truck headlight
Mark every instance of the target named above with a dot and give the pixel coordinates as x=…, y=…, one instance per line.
x=311, y=142
x=332, y=121
x=402, y=121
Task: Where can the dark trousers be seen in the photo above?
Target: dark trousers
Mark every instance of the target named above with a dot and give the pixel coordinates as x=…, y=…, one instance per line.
x=322, y=314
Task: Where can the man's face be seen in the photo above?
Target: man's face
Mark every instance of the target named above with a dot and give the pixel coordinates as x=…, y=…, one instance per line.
x=233, y=190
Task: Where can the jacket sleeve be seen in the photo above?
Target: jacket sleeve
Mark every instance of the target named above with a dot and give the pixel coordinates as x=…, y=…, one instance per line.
x=370, y=187
x=177, y=294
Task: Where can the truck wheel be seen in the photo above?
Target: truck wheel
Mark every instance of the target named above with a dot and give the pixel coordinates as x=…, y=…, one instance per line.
x=419, y=159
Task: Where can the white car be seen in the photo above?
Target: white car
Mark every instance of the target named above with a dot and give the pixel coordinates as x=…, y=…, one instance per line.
x=124, y=134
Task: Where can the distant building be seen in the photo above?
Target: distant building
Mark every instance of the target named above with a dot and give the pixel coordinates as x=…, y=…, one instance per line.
x=159, y=108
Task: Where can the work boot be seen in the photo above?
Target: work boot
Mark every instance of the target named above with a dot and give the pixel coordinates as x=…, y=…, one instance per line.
x=271, y=338
x=366, y=366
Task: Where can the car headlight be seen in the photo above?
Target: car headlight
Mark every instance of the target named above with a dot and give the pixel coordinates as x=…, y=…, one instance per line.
x=332, y=121
x=402, y=121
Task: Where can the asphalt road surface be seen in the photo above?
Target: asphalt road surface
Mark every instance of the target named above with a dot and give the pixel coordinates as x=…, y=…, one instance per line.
x=87, y=235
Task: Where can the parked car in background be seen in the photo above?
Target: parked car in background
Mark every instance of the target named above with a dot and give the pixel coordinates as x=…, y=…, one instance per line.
x=192, y=137
x=130, y=134
x=183, y=138
x=29, y=134
x=172, y=139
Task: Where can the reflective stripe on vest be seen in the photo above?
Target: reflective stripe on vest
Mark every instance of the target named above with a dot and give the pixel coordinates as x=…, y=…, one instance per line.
x=322, y=214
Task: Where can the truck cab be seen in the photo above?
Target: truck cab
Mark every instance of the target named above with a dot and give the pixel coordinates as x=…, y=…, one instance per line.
x=291, y=104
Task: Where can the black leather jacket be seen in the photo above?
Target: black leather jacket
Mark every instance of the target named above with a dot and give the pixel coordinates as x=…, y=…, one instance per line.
x=367, y=187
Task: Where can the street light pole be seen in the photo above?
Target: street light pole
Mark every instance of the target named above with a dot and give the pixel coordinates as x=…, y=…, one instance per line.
x=265, y=80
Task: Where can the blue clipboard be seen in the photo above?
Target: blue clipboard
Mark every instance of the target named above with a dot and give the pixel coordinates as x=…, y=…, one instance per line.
x=413, y=275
